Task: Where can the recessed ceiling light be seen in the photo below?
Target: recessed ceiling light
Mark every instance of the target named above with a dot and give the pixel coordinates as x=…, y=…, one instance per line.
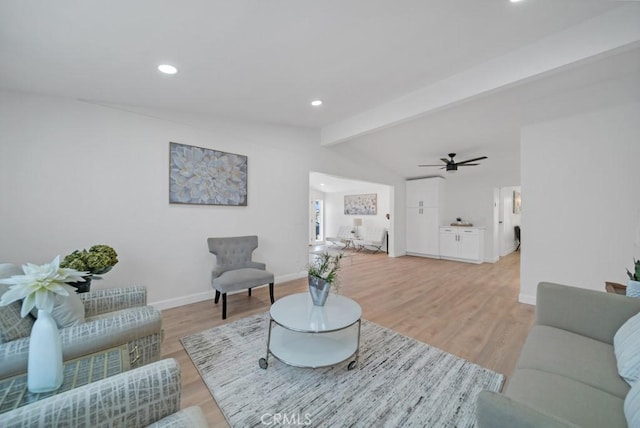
x=167, y=69
x=515, y=1
x=316, y=103
x=322, y=184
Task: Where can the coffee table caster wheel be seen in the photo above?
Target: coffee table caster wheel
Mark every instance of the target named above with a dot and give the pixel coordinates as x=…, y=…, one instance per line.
x=263, y=363
x=352, y=365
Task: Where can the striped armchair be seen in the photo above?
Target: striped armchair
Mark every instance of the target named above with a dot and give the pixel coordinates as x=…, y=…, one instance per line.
x=146, y=396
x=112, y=318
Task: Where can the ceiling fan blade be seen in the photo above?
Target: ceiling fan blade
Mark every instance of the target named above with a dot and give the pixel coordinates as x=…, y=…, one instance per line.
x=469, y=164
x=429, y=165
x=472, y=160
x=447, y=161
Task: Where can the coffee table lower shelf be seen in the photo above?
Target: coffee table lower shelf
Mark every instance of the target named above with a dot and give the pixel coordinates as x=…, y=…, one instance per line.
x=313, y=349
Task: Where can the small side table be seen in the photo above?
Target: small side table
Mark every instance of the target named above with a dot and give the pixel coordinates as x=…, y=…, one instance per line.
x=77, y=372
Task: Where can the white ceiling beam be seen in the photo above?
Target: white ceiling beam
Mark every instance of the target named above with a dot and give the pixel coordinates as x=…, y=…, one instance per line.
x=610, y=31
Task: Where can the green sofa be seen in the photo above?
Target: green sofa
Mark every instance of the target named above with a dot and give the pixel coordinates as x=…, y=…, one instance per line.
x=566, y=375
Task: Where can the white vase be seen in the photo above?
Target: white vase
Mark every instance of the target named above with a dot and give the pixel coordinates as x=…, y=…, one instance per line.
x=44, y=370
x=633, y=288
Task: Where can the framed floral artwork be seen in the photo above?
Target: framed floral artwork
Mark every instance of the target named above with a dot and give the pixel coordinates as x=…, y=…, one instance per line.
x=361, y=204
x=206, y=177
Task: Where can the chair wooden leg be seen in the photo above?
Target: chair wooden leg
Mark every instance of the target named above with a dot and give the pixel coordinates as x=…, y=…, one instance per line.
x=217, y=298
x=249, y=292
x=224, y=306
x=271, y=293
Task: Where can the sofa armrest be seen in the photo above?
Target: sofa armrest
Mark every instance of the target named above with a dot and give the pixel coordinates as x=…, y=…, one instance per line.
x=191, y=417
x=590, y=313
x=496, y=410
x=102, y=301
x=92, y=336
x=134, y=398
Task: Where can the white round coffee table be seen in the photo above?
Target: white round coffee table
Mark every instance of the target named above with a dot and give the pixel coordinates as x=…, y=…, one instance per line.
x=304, y=335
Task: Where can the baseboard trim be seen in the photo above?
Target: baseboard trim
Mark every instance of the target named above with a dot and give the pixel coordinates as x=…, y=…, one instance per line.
x=291, y=276
x=509, y=251
x=183, y=300
x=527, y=299
x=427, y=256
x=210, y=294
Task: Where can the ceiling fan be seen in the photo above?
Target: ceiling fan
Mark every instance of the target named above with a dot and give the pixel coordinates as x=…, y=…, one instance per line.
x=451, y=165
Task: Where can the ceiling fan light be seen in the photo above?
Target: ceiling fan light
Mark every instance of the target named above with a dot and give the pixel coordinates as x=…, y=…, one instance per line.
x=451, y=168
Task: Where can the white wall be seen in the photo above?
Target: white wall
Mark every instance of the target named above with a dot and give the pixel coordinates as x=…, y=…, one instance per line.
x=471, y=197
x=335, y=216
x=74, y=174
x=580, y=180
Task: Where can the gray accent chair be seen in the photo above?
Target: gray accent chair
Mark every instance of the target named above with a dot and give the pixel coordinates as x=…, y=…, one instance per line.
x=113, y=318
x=566, y=375
x=234, y=268
x=146, y=396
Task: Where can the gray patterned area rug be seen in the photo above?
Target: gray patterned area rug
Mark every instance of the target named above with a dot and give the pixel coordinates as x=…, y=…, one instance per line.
x=398, y=382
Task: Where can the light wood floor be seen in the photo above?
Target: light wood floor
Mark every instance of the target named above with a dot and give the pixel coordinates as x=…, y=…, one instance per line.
x=468, y=310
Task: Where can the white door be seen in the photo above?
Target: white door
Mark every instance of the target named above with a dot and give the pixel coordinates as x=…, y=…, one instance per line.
x=414, y=240
x=469, y=243
x=414, y=192
x=430, y=231
x=448, y=243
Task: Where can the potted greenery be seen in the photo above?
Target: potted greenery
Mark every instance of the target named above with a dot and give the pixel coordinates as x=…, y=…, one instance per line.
x=322, y=275
x=99, y=260
x=633, y=287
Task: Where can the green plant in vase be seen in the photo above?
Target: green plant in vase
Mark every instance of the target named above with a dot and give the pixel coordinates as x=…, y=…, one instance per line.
x=98, y=260
x=633, y=286
x=635, y=275
x=322, y=275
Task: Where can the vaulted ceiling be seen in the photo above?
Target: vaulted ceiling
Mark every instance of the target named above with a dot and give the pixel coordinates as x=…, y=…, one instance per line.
x=403, y=82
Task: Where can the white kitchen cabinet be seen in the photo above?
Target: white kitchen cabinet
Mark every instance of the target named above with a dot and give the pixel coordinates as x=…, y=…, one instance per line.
x=462, y=243
x=424, y=214
x=425, y=192
x=448, y=243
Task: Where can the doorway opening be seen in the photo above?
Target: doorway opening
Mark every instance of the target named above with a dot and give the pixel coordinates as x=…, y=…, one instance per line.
x=328, y=215
x=318, y=205
x=509, y=217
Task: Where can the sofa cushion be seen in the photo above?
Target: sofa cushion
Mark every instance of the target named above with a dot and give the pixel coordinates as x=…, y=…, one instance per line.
x=574, y=356
x=626, y=344
x=632, y=406
x=567, y=399
x=12, y=325
x=67, y=310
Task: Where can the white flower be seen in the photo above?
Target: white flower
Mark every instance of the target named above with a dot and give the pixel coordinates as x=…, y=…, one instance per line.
x=38, y=284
